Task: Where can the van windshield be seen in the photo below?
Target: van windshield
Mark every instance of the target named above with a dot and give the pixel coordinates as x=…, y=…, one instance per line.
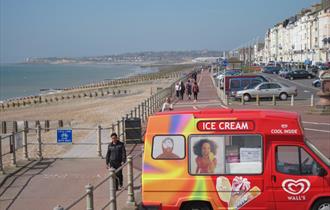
x=318, y=153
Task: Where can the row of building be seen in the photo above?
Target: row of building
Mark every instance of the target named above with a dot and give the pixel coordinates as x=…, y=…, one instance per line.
x=304, y=37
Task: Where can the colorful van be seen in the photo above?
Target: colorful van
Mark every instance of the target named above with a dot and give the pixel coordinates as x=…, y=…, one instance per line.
x=232, y=159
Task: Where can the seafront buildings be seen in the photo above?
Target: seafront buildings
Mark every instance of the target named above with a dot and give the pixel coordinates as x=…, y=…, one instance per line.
x=304, y=37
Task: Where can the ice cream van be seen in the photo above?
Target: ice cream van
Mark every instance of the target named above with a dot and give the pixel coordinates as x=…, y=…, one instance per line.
x=232, y=159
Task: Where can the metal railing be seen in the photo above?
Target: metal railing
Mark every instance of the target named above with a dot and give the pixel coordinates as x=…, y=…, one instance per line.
x=112, y=204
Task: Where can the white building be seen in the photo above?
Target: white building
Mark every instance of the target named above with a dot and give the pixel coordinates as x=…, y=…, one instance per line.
x=305, y=36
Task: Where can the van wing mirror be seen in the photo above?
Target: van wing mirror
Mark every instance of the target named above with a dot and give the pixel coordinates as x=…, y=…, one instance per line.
x=322, y=172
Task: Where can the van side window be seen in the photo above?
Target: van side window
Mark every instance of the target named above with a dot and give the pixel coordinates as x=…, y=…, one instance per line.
x=225, y=154
x=168, y=147
x=234, y=83
x=295, y=160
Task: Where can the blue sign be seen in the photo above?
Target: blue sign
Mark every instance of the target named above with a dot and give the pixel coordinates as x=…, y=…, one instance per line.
x=64, y=136
x=308, y=62
x=225, y=62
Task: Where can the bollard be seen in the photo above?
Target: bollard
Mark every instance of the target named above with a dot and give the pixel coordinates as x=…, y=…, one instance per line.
x=39, y=152
x=25, y=146
x=139, y=111
x=312, y=100
x=274, y=100
x=46, y=126
x=112, y=185
x=118, y=128
x=142, y=111
x=4, y=127
x=99, y=134
x=112, y=128
x=135, y=113
x=60, y=123
x=130, y=189
x=258, y=100
x=58, y=207
x=1, y=164
x=292, y=100
x=123, y=128
x=26, y=126
x=13, y=149
x=242, y=100
x=15, y=128
x=131, y=113
x=89, y=198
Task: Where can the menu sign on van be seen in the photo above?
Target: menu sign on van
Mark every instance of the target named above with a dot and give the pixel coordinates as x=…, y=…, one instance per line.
x=232, y=125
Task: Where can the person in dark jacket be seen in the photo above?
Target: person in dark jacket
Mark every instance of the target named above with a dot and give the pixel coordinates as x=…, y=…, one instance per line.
x=182, y=89
x=116, y=156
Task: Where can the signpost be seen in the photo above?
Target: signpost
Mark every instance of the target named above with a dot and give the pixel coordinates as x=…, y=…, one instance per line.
x=64, y=136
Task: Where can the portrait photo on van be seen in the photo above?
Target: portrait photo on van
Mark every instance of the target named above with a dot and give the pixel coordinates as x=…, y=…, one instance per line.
x=168, y=147
x=225, y=154
x=204, y=154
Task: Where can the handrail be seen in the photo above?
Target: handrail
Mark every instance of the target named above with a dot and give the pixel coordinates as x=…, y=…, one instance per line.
x=80, y=198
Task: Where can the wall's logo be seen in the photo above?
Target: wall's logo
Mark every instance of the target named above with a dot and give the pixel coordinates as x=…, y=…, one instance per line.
x=284, y=126
x=296, y=187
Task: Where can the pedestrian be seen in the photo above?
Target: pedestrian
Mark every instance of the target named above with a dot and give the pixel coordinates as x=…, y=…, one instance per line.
x=177, y=90
x=116, y=156
x=167, y=105
x=195, y=90
x=194, y=76
x=182, y=90
x=188, y=88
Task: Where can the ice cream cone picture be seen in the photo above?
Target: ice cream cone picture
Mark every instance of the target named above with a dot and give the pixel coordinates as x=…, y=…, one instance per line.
x=237, y=194
x=211, y=156
x=223, y=187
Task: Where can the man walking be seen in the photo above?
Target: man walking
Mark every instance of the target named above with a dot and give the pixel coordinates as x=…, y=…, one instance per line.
x=182, y=90
x=195, y=90
x=116, y=156
x=188, y=88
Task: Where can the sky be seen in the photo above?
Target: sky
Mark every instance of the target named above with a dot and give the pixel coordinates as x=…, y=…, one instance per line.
x=76, y=28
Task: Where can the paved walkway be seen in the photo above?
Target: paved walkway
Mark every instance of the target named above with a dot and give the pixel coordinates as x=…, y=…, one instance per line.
x=43, y=185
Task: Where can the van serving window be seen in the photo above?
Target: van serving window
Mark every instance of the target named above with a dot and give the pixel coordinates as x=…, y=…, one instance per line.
x=225, y=154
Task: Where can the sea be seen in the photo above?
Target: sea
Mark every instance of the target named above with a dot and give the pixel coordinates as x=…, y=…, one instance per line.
x=20, y=80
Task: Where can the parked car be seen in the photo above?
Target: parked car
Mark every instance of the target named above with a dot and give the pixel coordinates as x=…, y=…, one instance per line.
x=271, y=69
x=283, y=72
x=231, y=72
x=237, y=83
x=317, y=83
x=299, y=74
x=267, y=90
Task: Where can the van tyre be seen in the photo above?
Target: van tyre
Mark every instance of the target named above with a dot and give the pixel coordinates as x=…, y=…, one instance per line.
x=283, y=96
x=196, y=206
x=309, y=77
x=291, y=78
x=246, y=97
x=322, y=204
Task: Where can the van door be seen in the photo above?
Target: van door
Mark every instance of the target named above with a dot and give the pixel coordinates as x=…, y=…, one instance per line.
x=295, y=177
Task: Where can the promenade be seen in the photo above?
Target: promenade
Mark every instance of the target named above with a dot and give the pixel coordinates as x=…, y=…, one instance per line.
x=45, y=184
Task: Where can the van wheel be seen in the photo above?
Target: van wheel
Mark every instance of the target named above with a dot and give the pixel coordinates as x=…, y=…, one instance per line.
x=199, y=205
x=246, y=97
x=322, y=204
x=309, y=77
x=283, y=96
x=291, y=78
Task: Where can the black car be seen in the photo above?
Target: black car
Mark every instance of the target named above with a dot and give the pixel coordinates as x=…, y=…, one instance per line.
x=271, y=69
x=299, y=74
